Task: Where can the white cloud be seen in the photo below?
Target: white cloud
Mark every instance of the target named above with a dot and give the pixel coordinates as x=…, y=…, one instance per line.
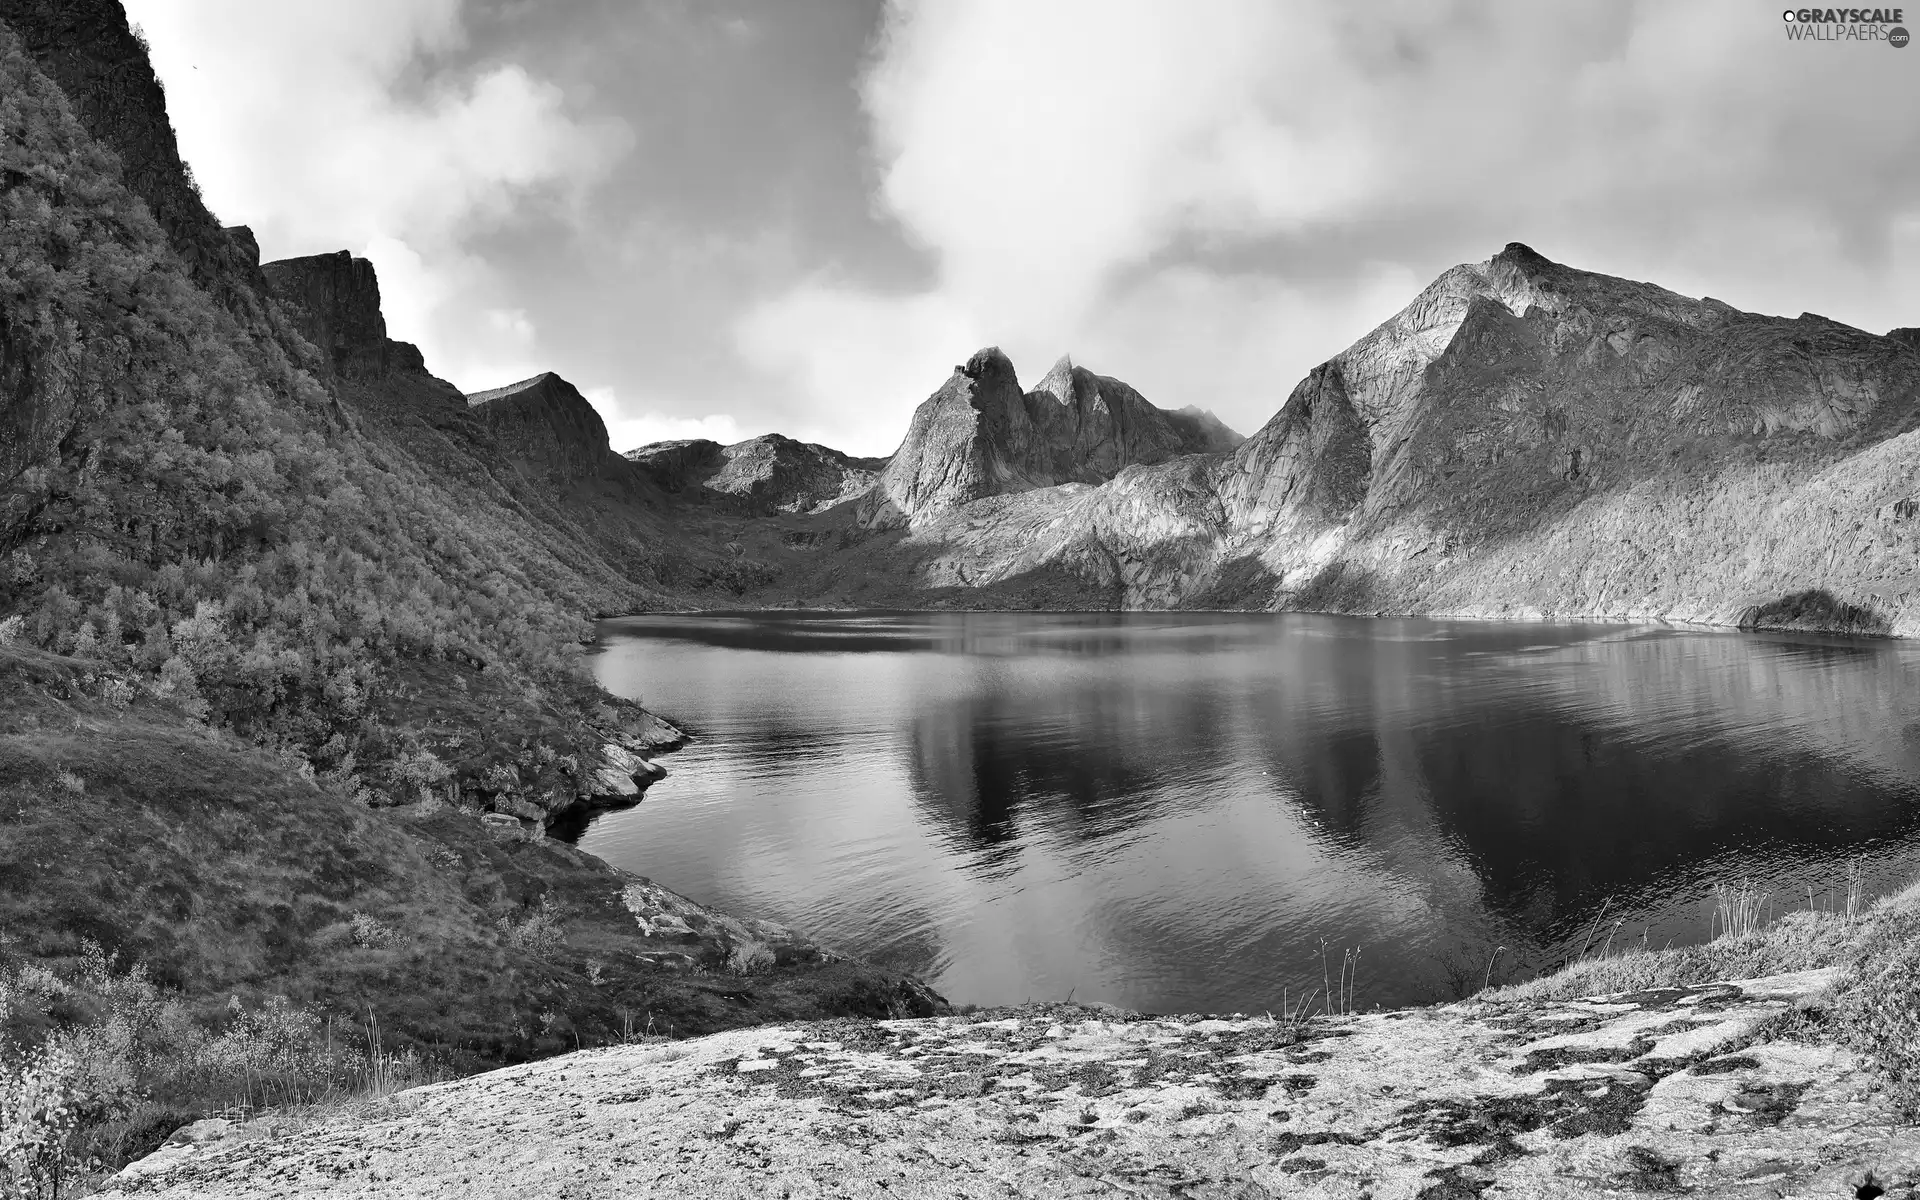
x=318, y=126
x=1066, y=163
x=629, y=432
x=856, y=363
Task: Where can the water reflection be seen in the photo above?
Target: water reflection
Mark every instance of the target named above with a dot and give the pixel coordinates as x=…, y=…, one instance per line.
x=1170, y=811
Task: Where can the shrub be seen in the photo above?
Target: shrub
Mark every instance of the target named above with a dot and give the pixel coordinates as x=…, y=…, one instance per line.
x=540, y=931
x=420, y=771
x=118, y=694
x=749, y=957
x=46, y=1098
x=369, y=931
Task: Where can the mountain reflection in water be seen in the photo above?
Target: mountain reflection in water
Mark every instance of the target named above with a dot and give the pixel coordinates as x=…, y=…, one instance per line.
x=1170, y=811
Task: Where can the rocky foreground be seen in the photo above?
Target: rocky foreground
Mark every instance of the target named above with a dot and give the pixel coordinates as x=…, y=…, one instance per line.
x=1700, y=1090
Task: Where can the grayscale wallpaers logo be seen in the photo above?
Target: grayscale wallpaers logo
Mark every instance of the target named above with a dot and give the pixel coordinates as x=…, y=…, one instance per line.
x=1846, y=25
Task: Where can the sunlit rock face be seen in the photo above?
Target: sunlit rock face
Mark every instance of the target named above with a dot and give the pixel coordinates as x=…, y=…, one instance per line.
x=980, y=435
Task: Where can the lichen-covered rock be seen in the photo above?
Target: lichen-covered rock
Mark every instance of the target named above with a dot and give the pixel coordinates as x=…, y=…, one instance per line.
x=1667, y=1091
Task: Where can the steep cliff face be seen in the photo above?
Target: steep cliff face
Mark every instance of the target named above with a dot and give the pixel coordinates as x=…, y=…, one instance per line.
x=334, y=301
x=979, y=435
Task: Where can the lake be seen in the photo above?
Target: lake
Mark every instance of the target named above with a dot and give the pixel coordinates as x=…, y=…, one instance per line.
x=1206, y=812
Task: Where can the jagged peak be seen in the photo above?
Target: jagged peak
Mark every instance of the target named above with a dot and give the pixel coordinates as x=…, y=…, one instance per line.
x=1058, y=382
x=988, y=360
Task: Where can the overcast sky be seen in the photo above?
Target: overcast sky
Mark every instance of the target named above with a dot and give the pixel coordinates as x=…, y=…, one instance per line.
x=723, y=218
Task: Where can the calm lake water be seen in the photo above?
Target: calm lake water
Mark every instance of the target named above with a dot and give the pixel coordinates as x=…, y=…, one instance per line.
x=1170, y=812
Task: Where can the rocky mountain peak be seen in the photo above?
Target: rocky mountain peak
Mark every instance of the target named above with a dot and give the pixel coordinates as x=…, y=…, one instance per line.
x=1058, y=382
x=1522, y=257
x=989, y=366
x=979, y=435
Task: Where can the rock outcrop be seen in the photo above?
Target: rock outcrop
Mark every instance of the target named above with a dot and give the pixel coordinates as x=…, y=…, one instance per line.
x=1665, y=1091
x=766, y=474
x=334, y=301
x=1909, y=336
x=979, y=435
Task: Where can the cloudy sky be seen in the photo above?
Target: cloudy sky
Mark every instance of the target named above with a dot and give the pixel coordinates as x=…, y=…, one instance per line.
x=723, y=218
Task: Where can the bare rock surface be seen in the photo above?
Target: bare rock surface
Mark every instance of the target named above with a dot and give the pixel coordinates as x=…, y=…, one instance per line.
x=1669, y=1091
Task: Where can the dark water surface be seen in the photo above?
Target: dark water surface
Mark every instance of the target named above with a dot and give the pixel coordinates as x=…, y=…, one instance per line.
x=1170, y=811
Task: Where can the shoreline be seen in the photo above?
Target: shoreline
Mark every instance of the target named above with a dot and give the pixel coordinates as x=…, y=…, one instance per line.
x=1681, y=624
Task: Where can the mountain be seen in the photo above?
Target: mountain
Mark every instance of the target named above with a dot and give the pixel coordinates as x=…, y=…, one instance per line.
x=979, y=435
x=1522, y=439
x=767, y=474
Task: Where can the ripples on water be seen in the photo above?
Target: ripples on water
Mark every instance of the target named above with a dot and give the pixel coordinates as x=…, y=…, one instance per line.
x=1170, y=811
